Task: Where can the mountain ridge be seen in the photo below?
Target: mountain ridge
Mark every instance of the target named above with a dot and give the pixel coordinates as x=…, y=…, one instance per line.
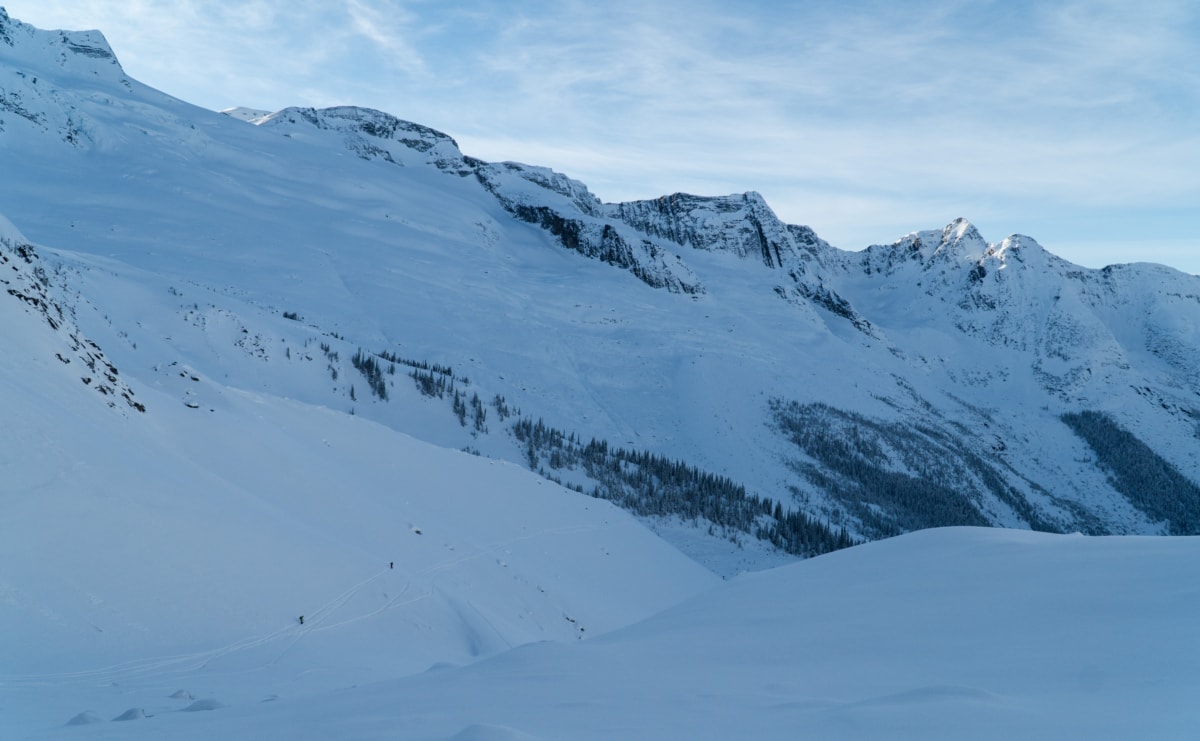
x=419, y=250
x=364, y=394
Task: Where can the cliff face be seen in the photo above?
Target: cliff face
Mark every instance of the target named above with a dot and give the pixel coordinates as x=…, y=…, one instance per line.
x=34, y=307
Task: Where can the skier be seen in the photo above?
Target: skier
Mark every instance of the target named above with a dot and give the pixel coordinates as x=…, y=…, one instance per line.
x=391, y=564
x=302, y=620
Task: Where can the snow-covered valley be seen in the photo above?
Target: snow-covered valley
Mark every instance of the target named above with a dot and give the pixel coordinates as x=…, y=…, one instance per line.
x=301, y=364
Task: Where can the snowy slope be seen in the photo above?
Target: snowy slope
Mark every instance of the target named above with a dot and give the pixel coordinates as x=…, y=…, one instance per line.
x=183, y=545
x=943, y=634
x=198, y=452
x=696, y=329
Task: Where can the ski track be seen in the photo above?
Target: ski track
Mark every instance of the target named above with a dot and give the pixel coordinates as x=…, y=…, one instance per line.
x=314, y=623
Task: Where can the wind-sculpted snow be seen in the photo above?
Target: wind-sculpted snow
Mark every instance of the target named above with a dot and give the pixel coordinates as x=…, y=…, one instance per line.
x=956, y=633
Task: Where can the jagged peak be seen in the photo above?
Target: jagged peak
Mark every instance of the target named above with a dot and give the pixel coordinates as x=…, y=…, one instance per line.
x=510, y=181
x=958, y=240
x=373, y=134
x=368, y=121
x=956, y=246
x=1016, y=245
x=6, y=24
x=557, y=182
x=679, y=202
x=960, y=230
x=741, y=223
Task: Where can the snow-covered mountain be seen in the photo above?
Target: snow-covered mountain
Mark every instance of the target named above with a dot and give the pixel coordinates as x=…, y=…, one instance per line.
x=255, y=359
x=934, y=381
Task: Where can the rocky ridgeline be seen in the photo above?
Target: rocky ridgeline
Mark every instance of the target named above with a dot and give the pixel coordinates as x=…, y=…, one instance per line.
x=25, y=279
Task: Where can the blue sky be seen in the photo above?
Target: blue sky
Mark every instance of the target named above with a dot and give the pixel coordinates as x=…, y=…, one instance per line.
x=1077, y=123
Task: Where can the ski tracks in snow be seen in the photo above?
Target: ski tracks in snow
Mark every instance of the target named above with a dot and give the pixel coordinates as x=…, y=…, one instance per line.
x=315, y=622
x=183, y=663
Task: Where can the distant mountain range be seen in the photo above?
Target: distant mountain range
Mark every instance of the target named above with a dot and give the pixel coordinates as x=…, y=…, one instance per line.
x=726, y=376
x=308, y=417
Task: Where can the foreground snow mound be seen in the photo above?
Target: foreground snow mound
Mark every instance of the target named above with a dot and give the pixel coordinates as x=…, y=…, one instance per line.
x=480, y=732
x=954, y=633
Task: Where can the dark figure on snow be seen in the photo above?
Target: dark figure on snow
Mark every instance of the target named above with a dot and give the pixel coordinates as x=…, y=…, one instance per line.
x=302, y=620
x=391, y=564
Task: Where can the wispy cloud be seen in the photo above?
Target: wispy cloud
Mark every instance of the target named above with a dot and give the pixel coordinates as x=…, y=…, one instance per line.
x=895, y=88
x=933, y=98
x=389, y=28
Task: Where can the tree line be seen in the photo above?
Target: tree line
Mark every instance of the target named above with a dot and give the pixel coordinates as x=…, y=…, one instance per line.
x=1145, y=478
x=649, y=484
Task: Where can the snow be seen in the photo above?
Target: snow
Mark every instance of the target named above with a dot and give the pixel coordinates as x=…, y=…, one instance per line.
x=180, y=228
x=174, y=553
x=952, y=633
x=10, y=233
x=249, y=115
x=154, y=565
